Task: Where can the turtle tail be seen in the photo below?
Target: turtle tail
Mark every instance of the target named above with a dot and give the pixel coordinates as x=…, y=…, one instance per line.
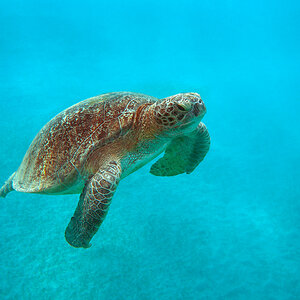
x=7, y=186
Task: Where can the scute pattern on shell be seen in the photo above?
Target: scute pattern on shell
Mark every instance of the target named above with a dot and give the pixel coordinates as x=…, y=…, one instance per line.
x=58, y=153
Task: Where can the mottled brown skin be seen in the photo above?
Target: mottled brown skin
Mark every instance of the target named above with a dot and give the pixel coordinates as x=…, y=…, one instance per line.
x=90, y=146
x=66, y=147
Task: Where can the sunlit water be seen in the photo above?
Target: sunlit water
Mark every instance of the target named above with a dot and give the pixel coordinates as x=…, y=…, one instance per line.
x=231, y=229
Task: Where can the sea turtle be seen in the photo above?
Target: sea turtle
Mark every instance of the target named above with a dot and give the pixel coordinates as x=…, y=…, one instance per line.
x=90, y=146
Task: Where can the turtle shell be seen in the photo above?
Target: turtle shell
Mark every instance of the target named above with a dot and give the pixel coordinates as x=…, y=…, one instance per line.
x=56, y=157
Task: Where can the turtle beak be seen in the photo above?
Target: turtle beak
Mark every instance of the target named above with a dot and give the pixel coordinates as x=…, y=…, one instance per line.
x=199, y=108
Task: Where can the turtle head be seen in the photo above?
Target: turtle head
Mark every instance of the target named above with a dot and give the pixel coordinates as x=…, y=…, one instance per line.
x=181, y=112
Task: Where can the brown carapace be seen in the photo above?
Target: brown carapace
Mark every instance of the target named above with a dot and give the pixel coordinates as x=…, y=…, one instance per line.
x=89, y=147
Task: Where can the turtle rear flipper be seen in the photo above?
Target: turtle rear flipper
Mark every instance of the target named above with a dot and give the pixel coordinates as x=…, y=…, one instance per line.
x=7, y=186
x=183, y=154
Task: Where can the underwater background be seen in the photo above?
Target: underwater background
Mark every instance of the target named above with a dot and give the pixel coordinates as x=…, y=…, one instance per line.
x=229, y=230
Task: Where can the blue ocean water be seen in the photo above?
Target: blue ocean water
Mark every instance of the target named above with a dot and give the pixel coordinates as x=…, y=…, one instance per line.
x=229, y=230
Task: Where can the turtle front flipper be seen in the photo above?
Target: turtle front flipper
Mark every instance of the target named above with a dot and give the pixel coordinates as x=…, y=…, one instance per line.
x=93, y=206
x=183, y=154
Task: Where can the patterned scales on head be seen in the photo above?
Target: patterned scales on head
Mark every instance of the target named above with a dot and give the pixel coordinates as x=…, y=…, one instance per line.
x=90, y=146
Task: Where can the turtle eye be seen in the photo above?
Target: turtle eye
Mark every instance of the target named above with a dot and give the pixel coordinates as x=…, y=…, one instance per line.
x=180, y=107
x=184, y=106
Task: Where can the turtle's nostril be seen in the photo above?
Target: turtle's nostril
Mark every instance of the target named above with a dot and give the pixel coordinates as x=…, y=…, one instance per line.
x=200, y=101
